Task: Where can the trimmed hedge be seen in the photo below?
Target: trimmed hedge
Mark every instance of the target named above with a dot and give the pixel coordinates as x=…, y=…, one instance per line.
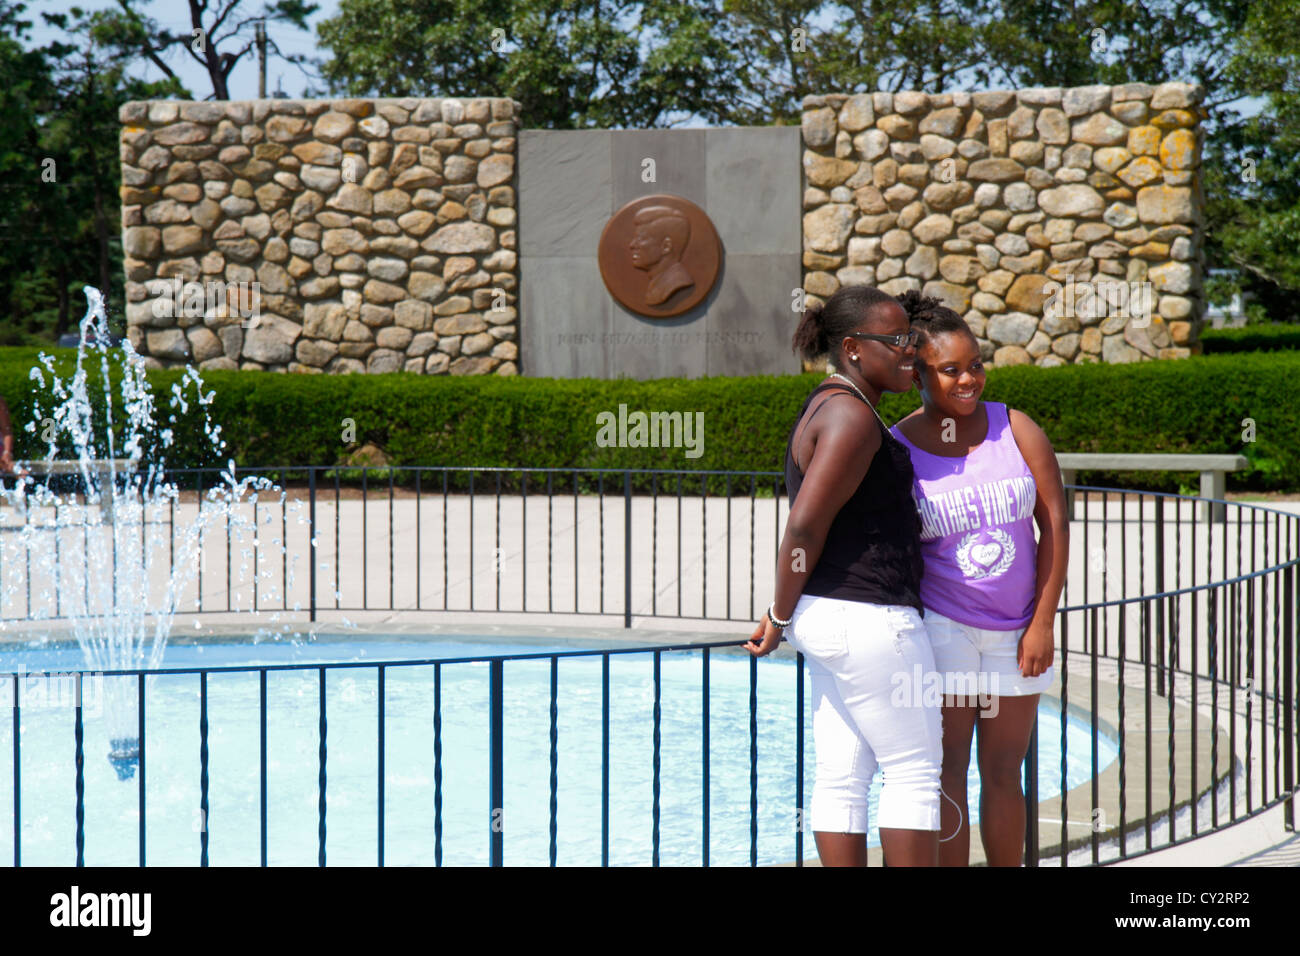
x=1191, y=405
x=1251, y=338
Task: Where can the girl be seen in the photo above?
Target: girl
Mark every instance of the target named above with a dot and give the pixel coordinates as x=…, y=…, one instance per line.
x=984, y=474
x=848, y=588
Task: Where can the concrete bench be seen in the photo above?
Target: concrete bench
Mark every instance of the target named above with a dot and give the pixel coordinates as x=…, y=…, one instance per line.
x=1213, y=468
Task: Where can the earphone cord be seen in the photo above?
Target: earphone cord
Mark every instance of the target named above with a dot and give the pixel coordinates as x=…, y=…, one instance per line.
x=959, y=817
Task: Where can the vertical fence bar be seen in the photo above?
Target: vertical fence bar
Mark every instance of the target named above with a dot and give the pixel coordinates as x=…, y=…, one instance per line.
x=437, y=763
x=1212, y=648
x=496, y=769
x=338, y=554
x=654, y=795
x=311, y=531
x=1031, y=798
x=262, y=719
x=753, y=761
x=1277, y=653
x=496, y=543
x=203, y=768
x=600, y=515
x=704, y=769
x=798, y=758
x=704, y=546
x=1146, y=706
x=320, y=849
x=523, y=543
x=627, y=552
x=446, y=596
x=365, y=540
x=139, y=688
x=392, y=550
x=604, y=760
x=576, y=575
x=727, y=496
x=18, y=776
x=1169, y=613
x=419, y=539
x=555, y=753
x=1092, y=656
x=79, y=733
x=1159, y=589
x=379, y=796
x=1288, y=694
x=1065, y=709
x=1123, y=730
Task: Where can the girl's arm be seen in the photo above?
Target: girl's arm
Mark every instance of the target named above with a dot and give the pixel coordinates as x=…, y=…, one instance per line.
x=1036, y=648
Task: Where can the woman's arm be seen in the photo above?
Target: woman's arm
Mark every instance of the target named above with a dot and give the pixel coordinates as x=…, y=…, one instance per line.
x=847, y=440
x=1036, y=647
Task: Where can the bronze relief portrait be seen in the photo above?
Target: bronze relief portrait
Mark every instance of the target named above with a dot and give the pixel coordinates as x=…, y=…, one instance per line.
x=659, y=255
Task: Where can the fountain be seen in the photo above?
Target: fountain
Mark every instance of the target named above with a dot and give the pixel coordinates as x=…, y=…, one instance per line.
x=92, y=542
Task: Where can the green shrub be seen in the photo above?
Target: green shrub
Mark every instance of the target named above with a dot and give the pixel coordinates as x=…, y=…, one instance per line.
x=1251, y=338
x=1192, y=405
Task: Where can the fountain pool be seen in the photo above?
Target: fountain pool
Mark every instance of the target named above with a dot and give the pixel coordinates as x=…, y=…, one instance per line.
x=174, y=822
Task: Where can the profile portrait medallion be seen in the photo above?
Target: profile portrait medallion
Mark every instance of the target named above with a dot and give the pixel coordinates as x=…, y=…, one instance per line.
x=659, y=256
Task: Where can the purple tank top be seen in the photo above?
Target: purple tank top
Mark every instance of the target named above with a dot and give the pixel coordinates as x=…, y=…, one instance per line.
x=977, y=529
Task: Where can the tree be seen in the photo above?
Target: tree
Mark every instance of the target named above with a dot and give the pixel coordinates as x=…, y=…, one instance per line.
x=795, y=48
x=60, y=169
x=221, y=34
x=571, y=63
x=1252, y=169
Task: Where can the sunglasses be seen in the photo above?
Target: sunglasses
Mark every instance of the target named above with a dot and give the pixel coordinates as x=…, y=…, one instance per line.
x=901, y=340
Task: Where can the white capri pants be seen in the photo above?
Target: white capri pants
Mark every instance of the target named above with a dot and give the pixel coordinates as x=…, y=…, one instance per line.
x=860, y=656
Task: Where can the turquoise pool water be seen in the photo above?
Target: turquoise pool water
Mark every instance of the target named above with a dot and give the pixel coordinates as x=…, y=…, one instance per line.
x=173, y=819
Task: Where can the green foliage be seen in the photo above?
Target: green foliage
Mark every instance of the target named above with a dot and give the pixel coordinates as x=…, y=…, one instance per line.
x=59, y=172
x=593, y=63
x=1251, y=166
x=1194, y=405
x=1251, y=338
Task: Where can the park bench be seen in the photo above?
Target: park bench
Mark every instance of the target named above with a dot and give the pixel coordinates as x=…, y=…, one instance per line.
x=1213, y=469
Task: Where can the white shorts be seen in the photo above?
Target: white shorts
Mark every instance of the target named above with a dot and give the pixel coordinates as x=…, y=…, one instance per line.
x=979, y=661
x=864, y=659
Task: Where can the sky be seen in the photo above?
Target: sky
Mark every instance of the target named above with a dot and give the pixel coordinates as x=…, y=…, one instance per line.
x=175, y=15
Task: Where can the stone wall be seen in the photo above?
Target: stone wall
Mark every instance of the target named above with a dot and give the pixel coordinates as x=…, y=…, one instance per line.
x=984, y=198
x=381, y=234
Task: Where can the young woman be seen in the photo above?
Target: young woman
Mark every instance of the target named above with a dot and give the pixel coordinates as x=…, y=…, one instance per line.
x=984, y=473
x=848, y=588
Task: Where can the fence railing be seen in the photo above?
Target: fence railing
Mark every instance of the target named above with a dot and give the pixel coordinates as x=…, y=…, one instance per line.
x=1176, y=636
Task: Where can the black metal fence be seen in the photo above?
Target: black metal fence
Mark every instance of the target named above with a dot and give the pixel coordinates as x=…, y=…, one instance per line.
x=1176, y=636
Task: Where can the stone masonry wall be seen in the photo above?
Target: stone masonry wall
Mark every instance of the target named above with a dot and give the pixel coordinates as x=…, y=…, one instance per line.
x=381, y=233
x=983, y=198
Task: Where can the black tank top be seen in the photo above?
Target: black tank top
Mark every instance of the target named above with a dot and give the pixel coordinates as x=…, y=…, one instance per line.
x=873, y=548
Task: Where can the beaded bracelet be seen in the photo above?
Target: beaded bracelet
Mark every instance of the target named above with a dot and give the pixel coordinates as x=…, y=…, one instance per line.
x=773, y=618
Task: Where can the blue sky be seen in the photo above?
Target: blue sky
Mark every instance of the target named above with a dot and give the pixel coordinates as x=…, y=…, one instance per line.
x=175, y=15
